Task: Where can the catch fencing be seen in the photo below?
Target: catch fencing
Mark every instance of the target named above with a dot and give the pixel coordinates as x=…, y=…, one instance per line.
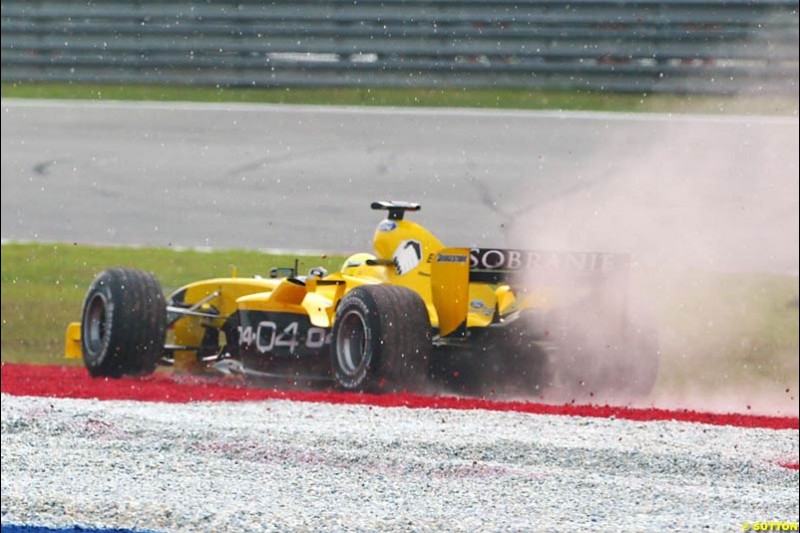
x=723, y=46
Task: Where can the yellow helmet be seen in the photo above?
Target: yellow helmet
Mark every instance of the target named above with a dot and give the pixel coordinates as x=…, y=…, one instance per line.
x=356, y=265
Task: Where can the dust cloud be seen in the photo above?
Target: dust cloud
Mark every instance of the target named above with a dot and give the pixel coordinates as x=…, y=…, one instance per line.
x=711, y=225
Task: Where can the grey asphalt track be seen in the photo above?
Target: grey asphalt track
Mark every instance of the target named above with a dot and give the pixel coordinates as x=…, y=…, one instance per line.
x=718, y=192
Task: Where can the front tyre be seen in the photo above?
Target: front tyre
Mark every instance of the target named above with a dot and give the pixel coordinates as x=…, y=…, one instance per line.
x=644, y=352
x=123, y=324
x=381, y=340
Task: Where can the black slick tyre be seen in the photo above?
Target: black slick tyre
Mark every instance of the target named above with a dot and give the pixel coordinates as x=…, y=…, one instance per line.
x=381, y=340
x=505, y=362
x=644, y=354
x=123, y=324
x=623, y=367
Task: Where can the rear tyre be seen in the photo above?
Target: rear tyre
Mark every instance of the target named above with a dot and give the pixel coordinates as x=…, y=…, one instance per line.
x=621, y=367
x=506, y=362
x=381, y=340
x=124, y=324
x=645, y=354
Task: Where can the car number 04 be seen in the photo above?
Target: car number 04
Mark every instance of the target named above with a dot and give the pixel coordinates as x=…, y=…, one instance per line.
x=266, y=336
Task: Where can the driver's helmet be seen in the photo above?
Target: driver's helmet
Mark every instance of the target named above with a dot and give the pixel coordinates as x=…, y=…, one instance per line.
x=356, y=265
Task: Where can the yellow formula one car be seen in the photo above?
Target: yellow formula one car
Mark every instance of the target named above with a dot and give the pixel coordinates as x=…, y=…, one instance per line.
x=413, y=312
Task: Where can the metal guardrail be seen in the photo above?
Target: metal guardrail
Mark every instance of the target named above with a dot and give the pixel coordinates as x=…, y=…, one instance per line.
x=720, y=46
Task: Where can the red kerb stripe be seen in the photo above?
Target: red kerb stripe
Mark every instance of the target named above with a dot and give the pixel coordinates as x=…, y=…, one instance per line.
x=74, y=382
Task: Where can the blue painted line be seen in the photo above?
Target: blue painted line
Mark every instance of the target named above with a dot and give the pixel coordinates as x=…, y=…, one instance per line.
x=16, y=528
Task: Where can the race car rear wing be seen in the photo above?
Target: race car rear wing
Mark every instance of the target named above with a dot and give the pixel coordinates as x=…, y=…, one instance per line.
x=396, y=209
x=491, y=265
x=454, y=269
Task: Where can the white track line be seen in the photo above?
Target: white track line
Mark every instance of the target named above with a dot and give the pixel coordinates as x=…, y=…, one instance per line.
x=11, y=103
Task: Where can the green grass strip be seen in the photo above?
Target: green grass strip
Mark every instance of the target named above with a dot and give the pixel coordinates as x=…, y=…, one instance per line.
x=450, y=97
